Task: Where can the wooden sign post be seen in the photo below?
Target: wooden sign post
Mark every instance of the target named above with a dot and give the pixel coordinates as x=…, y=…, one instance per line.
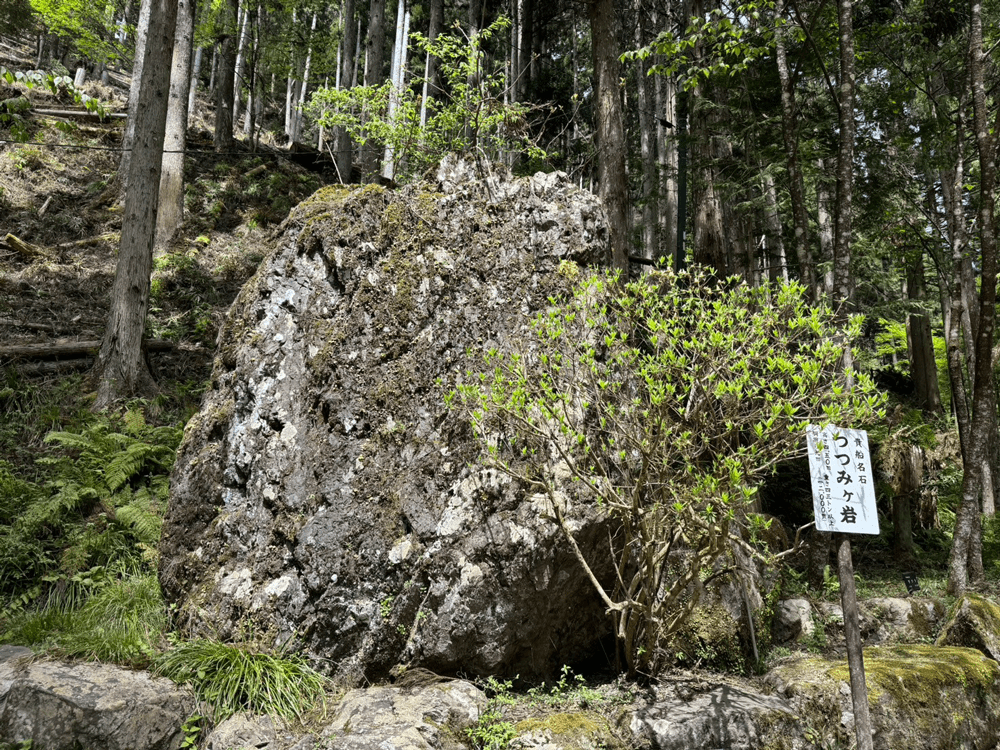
x=844, y=501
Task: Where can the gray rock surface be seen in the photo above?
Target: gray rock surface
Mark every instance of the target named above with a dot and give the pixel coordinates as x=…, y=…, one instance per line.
x=921, y=697
x=974, y=621
x=326, y=493
x=793, y=619
x=704, y=717
x=89, y=707
x=243, y=731
x=428, y=717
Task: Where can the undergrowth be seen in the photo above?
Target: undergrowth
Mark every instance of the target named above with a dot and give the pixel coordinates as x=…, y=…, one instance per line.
x=98, y=504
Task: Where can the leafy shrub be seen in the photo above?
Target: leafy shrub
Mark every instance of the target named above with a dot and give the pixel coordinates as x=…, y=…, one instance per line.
x=666, y=402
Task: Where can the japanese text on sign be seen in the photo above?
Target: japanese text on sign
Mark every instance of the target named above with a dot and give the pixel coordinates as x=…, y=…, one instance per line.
x=842, y=482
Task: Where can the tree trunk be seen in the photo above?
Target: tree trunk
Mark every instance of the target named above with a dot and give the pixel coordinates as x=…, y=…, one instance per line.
x=298, y=115
x=710, y=245
x=666, y=147
x=965, y=564
x=824, y=206
x=906, y=495
x=611, y=150
x=399, y=50
x=526, y=53
x=171, y=212
x=128, y=139
x=923, y=365
x=193, y=90
x=796, y=182
x=777, y=270
x=647, y=145
x=226, y=83
x=431, y=89
x=241, y=60
x=121, y=370
x=842, y=283
x=343, y=148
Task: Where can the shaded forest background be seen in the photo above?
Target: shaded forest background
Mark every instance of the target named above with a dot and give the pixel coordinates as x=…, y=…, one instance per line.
x=847, y=146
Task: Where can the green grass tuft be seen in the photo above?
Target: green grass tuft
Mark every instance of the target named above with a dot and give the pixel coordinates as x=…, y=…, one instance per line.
x=237, y=678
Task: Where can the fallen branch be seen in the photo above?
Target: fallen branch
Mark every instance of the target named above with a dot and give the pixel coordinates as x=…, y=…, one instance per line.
x=10, y=322
x=71, y=349
x=113, y=237
x=25, y=249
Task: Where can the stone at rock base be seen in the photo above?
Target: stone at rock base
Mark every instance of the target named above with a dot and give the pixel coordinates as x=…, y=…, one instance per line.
x=974, y=621
x=883, y=620
x=793, y=620
x=921, y=697
x=712, y=716
x=570, y=730
x=90, y=707
x=326, y=493
x=431, y=717
x=242, y=731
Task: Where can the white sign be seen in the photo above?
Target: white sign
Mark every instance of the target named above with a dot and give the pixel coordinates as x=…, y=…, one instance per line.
x=842, y=481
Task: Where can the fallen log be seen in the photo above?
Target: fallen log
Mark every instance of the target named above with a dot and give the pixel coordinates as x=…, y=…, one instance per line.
x=78, y=113
x=71, y=349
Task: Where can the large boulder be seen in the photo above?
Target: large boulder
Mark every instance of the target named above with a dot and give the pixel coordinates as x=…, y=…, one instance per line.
x=327, y=494
x=59, y=706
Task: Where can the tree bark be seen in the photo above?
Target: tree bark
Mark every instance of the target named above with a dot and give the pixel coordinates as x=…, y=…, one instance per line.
x=923, y=365
x=842, y=281
x=195, y=71
x=777, y=268
x=965, y=564
x=796, y=182
x=171, y=212
x=611, y=150
x=647, y=144
x=128, y=140
x=121, y=370
x=343, y=148
x=241, y=60
x=226, y=84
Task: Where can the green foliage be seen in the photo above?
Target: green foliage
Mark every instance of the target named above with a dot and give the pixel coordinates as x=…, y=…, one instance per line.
x=666, y=402
x=58, y=85
x=720, y=43
x=491, y=732
x=470, y=117
x=98, y=503
x=89, y=25
x=235, y=678
x=121, y=620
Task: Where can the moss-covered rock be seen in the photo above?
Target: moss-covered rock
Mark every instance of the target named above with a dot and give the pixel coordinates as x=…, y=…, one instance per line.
x=571, y=730
x=327, y=494
x=974, y=621
x=920, y=696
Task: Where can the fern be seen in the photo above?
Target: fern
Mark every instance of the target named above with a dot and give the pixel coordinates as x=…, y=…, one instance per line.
x=100, y=499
